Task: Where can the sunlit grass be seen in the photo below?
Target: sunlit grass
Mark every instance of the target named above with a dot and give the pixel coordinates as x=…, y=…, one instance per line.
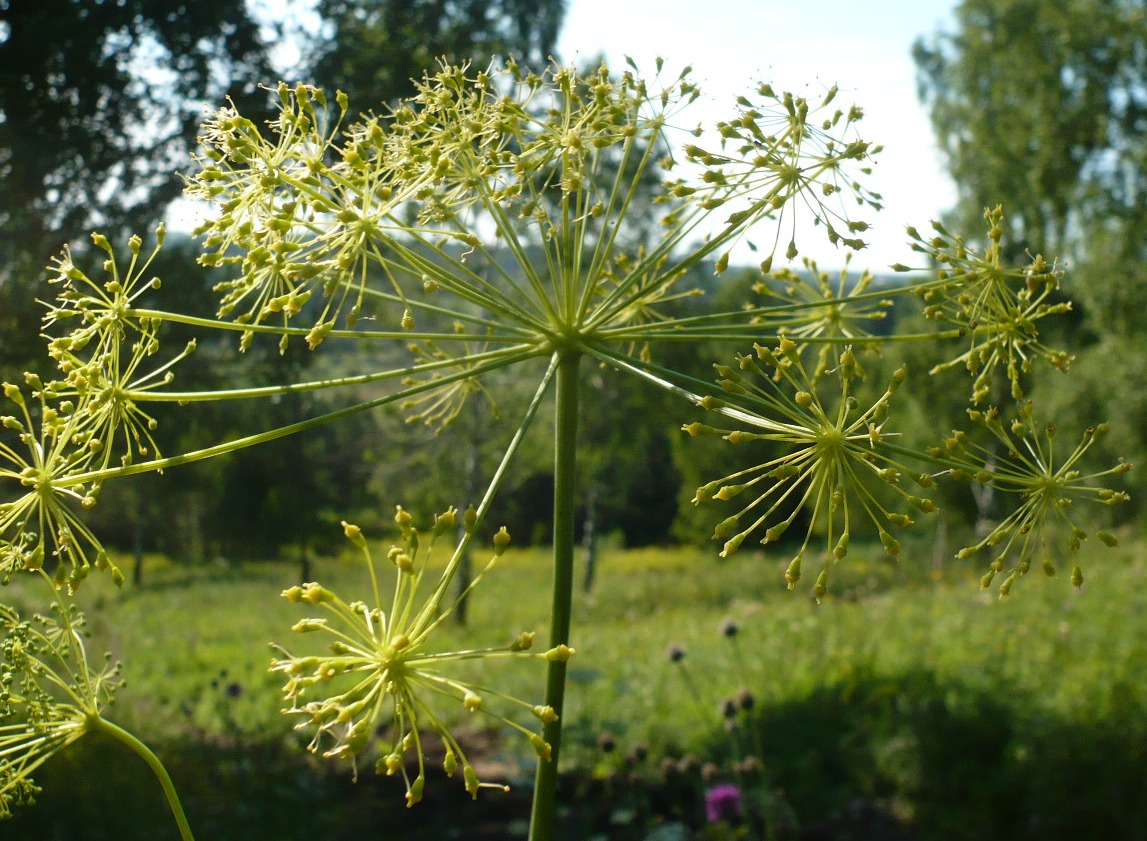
x=1049, y=651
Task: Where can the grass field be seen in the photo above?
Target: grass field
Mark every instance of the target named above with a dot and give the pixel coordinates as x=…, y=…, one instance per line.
x=953, y=713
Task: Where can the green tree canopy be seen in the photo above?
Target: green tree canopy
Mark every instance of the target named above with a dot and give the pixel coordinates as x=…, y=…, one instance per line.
x=1042, y=104
x=100, y=102
x=373, y=48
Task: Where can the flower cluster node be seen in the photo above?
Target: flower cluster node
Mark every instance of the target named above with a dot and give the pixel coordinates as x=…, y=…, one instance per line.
x=1019, y=458
x=382, y=669
x=836, y=452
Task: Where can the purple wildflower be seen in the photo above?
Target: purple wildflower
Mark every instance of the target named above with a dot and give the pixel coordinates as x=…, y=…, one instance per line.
x=723, y=803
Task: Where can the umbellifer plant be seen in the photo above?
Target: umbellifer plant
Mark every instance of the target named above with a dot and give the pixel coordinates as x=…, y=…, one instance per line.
x=487, y=217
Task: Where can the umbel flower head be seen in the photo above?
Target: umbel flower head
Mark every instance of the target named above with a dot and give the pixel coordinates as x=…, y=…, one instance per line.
x=996, y=306
x=811, y=306
x=502, y=199
x=1022, y=461
x=105, y=358
x=380, y=669
x=38, y=479
x=49, y=695
x=66, y=435
x=830, y=456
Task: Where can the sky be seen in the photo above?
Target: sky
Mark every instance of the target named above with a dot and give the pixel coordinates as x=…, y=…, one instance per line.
x=804, y=46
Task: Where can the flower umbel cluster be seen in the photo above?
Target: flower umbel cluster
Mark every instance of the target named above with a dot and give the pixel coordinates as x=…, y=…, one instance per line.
x=544, y=169
x=996, y=306
x=49, y=696
x=39, y=519
x=66, y=435
x=1022, y=461
x=380, y=672
x=779, y=148
x=814, y=307
x=828, y=456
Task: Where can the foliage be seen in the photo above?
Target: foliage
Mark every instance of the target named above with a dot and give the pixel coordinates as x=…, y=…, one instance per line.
x=496, y=200
x=376, y=50
x=1040, y=104
x=78, y=80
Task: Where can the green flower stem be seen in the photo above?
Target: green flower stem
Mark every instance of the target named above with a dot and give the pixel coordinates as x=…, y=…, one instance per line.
x=96, y=724
x=283, y=431
x=650, y=373
x=508, y=355
x=544, y=813
x=357, y=335
x=469, y=285
x=483, y=508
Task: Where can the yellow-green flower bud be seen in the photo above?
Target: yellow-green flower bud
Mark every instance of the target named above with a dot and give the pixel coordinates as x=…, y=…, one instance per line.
x=1076, y=577
x=727, y=492
x=444, y=521
x=890, y=543
x=472, y=701
x=315, y=335
x=304, y=626
x=524, y=642
x=13, y=393
x=1107, y=538
x=543, y=748
x=354, y=534
x=848, y=364
x=470, y=780
x=696, y=429
x=315, y=593
x=545, y=713
x=922, y=504
x=821, y=586
x=560, y=653
x=501, y=541
x=793, y=573
x=889, y=475
x=733, y=544
x=773, y=533
x=898, y=377
x=390, y=764
x=359, y=734
x=414, y=793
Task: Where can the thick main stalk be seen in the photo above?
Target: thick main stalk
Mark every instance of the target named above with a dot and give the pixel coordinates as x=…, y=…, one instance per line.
x=544, y=814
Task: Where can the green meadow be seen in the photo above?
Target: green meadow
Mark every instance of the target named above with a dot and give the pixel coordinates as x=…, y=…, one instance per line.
x=908, y=699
